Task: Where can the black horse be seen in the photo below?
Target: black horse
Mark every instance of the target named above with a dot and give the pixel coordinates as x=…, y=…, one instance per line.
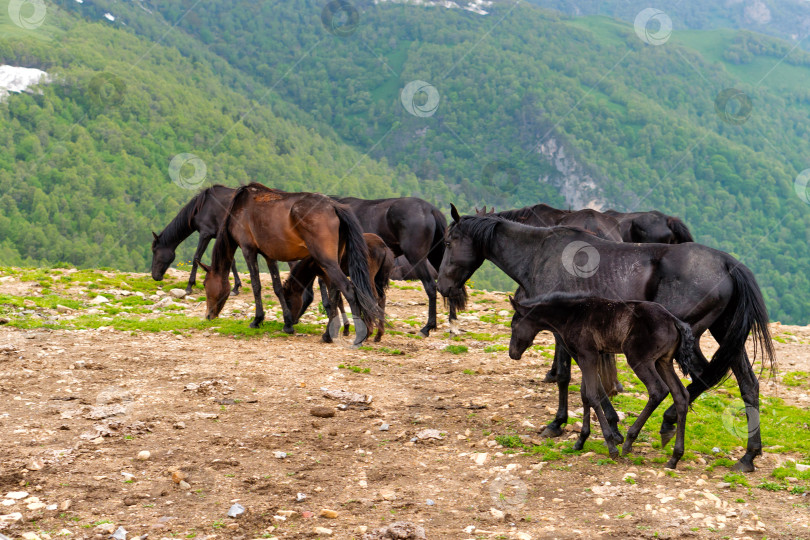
x=647, y=334
x=411, y=227
x=403, y=270
x=204, y=213
x=704, y=287
x=651, y=227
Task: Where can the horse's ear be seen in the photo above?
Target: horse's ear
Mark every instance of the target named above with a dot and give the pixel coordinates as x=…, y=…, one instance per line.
x=515, y=305
x=203, y=265
x=454, y=213
x=155, y=235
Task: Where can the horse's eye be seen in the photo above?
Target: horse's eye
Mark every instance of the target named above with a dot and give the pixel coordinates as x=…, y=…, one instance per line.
x=446, y=243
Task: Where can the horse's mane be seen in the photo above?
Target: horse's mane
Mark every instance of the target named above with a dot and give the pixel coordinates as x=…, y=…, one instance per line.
x=680, y=230
x=180, y=227
x=522, y=214
x=480, y=228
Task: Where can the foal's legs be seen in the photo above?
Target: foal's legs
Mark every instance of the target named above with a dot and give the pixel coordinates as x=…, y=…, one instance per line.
x=695, y=388
x=590, y=382
x=681, y=399
x=644, y=368
x=337, y=279
x=202, y=245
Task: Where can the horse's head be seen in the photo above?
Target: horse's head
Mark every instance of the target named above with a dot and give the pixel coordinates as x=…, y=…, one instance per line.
x=293, y=295
x=217, y=290
x=162, y=258
x=462, y=257
x=651, y=228
x=523, y=330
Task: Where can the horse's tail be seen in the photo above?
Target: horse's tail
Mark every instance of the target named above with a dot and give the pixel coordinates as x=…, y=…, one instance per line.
x=436, y=253
x=680, y=230
x=749, y=316
x=357, y=255
x=685, y=355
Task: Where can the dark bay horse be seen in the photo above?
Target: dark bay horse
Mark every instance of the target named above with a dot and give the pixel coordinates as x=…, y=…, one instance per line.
x=704, y=287
x=203, y=213
x=647, y=334
x=303, y=274
x=283, y=226
x=411, y=227
x=651, y=227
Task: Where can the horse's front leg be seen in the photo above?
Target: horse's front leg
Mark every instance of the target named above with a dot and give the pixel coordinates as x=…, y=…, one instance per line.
x=237, y=283
x=563, y=360
x=256, y=285
x=278, y=288
x=551, y=376
x=202, y=245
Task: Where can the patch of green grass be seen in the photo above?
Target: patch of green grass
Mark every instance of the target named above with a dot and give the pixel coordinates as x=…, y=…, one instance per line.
x=469, y=372
x=356, y=369
x=772, y=486
x=509, y=441
x=796, y=378
x=456, y=349
x=735, y=479
x=496, y=348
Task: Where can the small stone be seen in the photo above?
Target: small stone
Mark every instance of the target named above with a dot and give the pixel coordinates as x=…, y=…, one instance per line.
x=599, y=501
x=179, y=425
x=98, y=300
x=481, y=458
x=388, y=494
x=51, y=507
x=523, y=536
x=120, y=534
x=384, y=427
x=430, y=502
x=500, y=515
x=361, y=529
x=143, y=455
x=178, y=476
x=801, y=467
x=300, y=497
x=105, y=528
x=184, y=485
x=279, y=455
x=17, y=495
x=65, y=505
x=31, y=536
x=63, y=309
x=715, y=450
x=700, y=482
x=322, y=530
x=287, y=513
x=328, y=514
x=178, y=293
x=36, y=506
x=322, y=412
x=236, y=510
x=11, y=518
x=723, y=485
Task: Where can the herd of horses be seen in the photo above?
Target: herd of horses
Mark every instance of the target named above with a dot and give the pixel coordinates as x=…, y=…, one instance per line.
x=646, y=290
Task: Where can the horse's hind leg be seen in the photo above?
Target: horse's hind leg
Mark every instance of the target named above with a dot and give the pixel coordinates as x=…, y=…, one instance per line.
x=749, y=390
x=256, y=285
x=585, y=432
x=681, y=398
x=656, y=390
x=421, y=270
x=202, y=245
x=593, y=395
x=278, y=288
x=237, y=283
x=339, y=281
x=381, y=322
x=695, y=388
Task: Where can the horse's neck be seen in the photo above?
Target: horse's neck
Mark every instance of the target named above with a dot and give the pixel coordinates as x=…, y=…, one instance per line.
x=177, y=230
x=512, y=249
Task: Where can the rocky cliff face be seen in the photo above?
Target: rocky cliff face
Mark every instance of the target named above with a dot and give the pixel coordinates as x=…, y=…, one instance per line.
x=576, y=184
x=18, y=79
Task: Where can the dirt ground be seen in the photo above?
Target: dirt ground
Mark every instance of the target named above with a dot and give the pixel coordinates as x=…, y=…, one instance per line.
x=228, y=420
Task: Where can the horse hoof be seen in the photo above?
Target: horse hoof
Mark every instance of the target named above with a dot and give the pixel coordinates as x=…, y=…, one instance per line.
x=671, y=464
x=420, y=333
x=550, y=432
x=326, y=338
x=288, y=329
x=377, y=338
x=627, y=448
x=255, y=324
x=550, y=377
x=618, y=388
x=578, y=445
x=614, y=454
x=666, y=436
x=743, y=466
x=234, y=292
x=189, y=290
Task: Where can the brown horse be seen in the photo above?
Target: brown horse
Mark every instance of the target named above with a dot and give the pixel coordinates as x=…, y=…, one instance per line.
x=380, y=265
x=283, y=226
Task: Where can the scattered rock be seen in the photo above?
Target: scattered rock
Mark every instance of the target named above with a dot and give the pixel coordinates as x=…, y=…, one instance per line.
x=300, y=497
x=329, y=514
x=279, y=455
x=63, y=309
x=401, y=530
x=11, y=518
x=143, y=455
x=388, y=494
x=16, y=495
x=105, y=528
x=385, y=427
x=430, y=502
x=178, y=293
x=322, y=412
x=120, y=534
x=322, y=530
x=346, y=397
x=236, y=510
x=98, y=300
x=429, y=434
x=802, y=467
x=500, y=515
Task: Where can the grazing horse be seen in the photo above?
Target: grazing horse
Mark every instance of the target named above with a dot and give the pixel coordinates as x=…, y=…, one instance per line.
x=647, y=334
x=284, y=226
x=543, y=215
x=203, y=213
x=651, y=227
x=302, y=274
x=411, y=227
x=704, y=287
